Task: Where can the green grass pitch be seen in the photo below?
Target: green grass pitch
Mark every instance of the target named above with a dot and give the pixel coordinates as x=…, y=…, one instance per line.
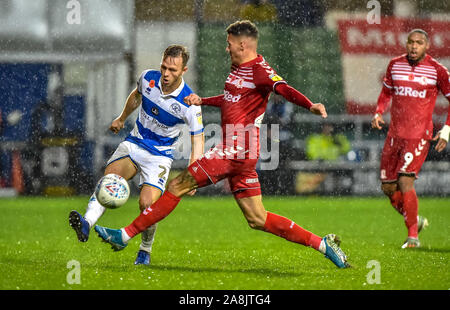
x=206, y=244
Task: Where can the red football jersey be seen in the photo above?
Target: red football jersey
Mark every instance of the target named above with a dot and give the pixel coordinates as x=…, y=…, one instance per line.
x=413, y=90
x=246, y=93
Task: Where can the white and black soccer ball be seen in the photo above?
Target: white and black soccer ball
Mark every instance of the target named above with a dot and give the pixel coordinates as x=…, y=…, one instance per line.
x=112, y=191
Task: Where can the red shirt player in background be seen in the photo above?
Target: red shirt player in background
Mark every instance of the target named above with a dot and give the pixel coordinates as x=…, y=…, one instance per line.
x=242, y=105
x=412, y=81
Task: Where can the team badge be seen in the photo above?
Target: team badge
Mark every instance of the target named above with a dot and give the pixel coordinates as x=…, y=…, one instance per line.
x=423, y=80
x=175, y=107
x=411, y=77
x=239, y=83
x=155, y=110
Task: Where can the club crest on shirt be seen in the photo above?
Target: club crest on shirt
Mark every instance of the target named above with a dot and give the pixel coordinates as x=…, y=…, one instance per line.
x=155, y=110
x=423, y=80
x=175, y=107
x=239, y=83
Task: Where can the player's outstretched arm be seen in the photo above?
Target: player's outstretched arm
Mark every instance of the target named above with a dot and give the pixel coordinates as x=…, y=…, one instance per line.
x=292, y=95
x=198, y=145
x=133, y=101
x=194, y=99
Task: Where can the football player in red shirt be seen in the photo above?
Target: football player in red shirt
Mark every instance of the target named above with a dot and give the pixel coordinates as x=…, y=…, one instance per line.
x=412, y=81
x=243, y=103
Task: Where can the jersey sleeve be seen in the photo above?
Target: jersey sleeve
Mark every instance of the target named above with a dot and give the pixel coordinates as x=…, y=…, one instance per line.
x=385, y=95
x=444, y=81
x=193, y=119
x=139, y=82
x=264, y=77
x=387, y=80
x=444, y=85
x=292, y=95
x=215, y=101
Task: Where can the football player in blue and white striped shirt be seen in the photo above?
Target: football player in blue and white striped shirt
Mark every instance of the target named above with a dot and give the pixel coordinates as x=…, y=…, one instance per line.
x=147, y=149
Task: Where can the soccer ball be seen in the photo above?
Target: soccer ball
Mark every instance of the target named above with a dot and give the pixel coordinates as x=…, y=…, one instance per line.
x=112, y=191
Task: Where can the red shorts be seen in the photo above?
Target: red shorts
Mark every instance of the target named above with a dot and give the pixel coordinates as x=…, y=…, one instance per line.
x=241, y=174
x=402, y=156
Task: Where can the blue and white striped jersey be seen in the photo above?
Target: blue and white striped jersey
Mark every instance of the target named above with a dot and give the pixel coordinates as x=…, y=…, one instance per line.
x=161, y=116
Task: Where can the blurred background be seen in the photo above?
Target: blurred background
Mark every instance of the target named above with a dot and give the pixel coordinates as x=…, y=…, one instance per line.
x=67, y=67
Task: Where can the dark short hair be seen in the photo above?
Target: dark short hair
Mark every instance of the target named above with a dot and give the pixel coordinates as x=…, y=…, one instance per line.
x=418, y=30
x=243, y=28
x=176, y=50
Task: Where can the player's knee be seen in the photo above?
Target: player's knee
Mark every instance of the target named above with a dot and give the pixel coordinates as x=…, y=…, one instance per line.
x=173, y=185
x=389, y=188
x=255, y=223
x=144, y=203
x=176, y=187
x=182, y=184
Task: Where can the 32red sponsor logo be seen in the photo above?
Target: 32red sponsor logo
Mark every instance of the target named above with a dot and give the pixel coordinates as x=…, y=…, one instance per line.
x=229, y=97
x=408, y=91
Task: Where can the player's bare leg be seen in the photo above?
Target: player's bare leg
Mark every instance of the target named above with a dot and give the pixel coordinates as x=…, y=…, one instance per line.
x=258, y=218
x=147, y=197
x=394, y=194
x=123, y=167
x=82, y=224
x=254, y=211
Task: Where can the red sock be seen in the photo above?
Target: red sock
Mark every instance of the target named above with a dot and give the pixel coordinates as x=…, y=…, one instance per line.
x=397, y=201
x=410, y=207
x=290, y=231
x=153, y=214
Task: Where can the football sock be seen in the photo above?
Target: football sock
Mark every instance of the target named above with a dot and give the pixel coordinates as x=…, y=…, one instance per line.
x=397, y=201
x=94, y=211
x=153, y=214
x=148, y=236
x=411, y=206
x=287, y=229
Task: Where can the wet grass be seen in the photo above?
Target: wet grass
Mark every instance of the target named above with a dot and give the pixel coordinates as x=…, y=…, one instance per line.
x=205, y=244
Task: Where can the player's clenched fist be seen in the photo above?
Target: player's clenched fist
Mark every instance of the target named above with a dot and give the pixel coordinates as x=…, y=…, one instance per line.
x=116, y=125
x=319, y=109
x=377, y=121
x=193, y=99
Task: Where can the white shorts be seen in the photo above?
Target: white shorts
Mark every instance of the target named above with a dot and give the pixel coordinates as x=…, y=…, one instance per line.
x=154, y=170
